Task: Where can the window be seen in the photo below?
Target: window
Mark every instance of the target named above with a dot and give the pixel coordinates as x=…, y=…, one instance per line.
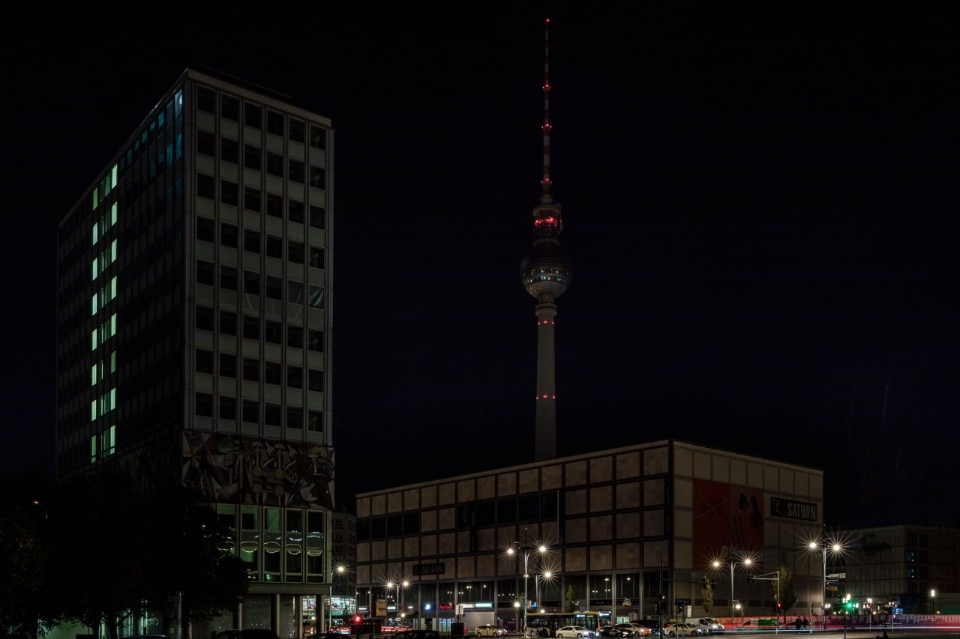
x=251, y=241
x=206, y=99
x=294, y=292
x=228, y=235
x=298, y=130
x=274, y=332
x=318, y=137
x=205, y=186
x=206, y=230
x=228, y=323
x=297, y=171
x=252, y=158
x=272, y=415
x=295, y=211
x=318, y=177
x=318, y=217
x=316, y=380
x=295, y=252
x=206, y=143
x=295, y=336
x=251, y=411
x=251, y=369
x=252, y=114
x=315, y=421
x=316, y=341
x=274, y=205
x=204, y=361
x=294, y=376
x=251, y=283
x=205, y=318
x=229, y=150
x=229, y=193
x=274, y=164
x=274, y=122
x=229, y=107
x=295, y=418
x=228, y=365
x=228, y=277
x=274, y=287
x=204, y=404
x=252, y=199
x=272, y=373
x=251, y=326
x=316, y=257
x=228, y=407
x=274, y=246
x=316, y=296
x=204, y=272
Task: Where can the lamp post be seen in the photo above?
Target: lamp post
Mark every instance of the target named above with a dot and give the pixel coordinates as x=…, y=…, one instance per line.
x=732, y=562
x=933, y=602
x=824, y=546
x=536, y=585
x=515, y=550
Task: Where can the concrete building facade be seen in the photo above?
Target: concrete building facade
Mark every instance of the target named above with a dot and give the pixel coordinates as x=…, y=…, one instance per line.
x=631, y=532
x=194, y=326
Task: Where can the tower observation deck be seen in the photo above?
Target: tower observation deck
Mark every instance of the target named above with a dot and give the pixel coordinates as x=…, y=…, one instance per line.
x=545, y=274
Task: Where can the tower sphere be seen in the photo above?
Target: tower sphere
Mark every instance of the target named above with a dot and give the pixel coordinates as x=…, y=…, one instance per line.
x=545, y=270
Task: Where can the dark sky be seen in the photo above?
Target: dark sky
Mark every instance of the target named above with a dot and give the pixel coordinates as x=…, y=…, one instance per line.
x=761, y=209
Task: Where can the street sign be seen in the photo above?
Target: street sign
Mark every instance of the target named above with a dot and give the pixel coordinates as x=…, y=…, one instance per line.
x=428, y=569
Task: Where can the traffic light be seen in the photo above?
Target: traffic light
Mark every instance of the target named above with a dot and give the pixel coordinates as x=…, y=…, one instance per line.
x=848, y=605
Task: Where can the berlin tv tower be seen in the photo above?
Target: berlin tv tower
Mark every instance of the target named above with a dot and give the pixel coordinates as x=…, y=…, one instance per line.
x=545, y=274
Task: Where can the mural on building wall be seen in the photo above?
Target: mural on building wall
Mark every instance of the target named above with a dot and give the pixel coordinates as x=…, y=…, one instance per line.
x=726, y=519
x=247, y=470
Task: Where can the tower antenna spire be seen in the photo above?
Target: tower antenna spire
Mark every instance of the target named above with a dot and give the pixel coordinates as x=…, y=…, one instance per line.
x=546, y=197
x=545, y=274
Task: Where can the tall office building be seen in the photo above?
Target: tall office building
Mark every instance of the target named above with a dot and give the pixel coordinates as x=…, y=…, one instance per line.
x=194, y=326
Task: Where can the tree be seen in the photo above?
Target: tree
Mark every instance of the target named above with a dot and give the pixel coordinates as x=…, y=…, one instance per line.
x=118, y=551
x=23, y=556
x=96, y=534
x=192, y=567
x=706, y=593
x=786, y=596
x=569, y=605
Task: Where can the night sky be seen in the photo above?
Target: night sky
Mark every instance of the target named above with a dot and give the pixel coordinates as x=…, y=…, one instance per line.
x=761, y=209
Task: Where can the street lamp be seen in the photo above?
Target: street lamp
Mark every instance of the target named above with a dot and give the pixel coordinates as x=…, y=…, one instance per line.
x=732, y=562
x=933, y=602
x=526, y=549
x=824, y=546
x=396, y=601
x=547, y=575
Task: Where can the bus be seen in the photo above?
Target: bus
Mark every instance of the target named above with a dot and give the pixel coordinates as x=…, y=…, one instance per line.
x=545, y=624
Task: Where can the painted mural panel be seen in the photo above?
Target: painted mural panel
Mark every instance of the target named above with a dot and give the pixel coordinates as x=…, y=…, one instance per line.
x=229, y=468
x=727, y=520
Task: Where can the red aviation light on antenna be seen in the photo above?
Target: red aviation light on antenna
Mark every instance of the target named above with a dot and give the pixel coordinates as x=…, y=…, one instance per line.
x=546, y=126
x=545, y=220
x=546, y=86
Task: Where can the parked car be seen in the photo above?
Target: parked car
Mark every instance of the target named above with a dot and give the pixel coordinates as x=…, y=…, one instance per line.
x=637, y=629
x=489, y=630
x=574, y=632
x=681, y=629
x=711, y=625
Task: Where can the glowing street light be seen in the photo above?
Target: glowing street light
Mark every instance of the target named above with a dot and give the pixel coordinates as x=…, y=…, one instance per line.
x=834, y=547
x=732, y=562
x=526, y=549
